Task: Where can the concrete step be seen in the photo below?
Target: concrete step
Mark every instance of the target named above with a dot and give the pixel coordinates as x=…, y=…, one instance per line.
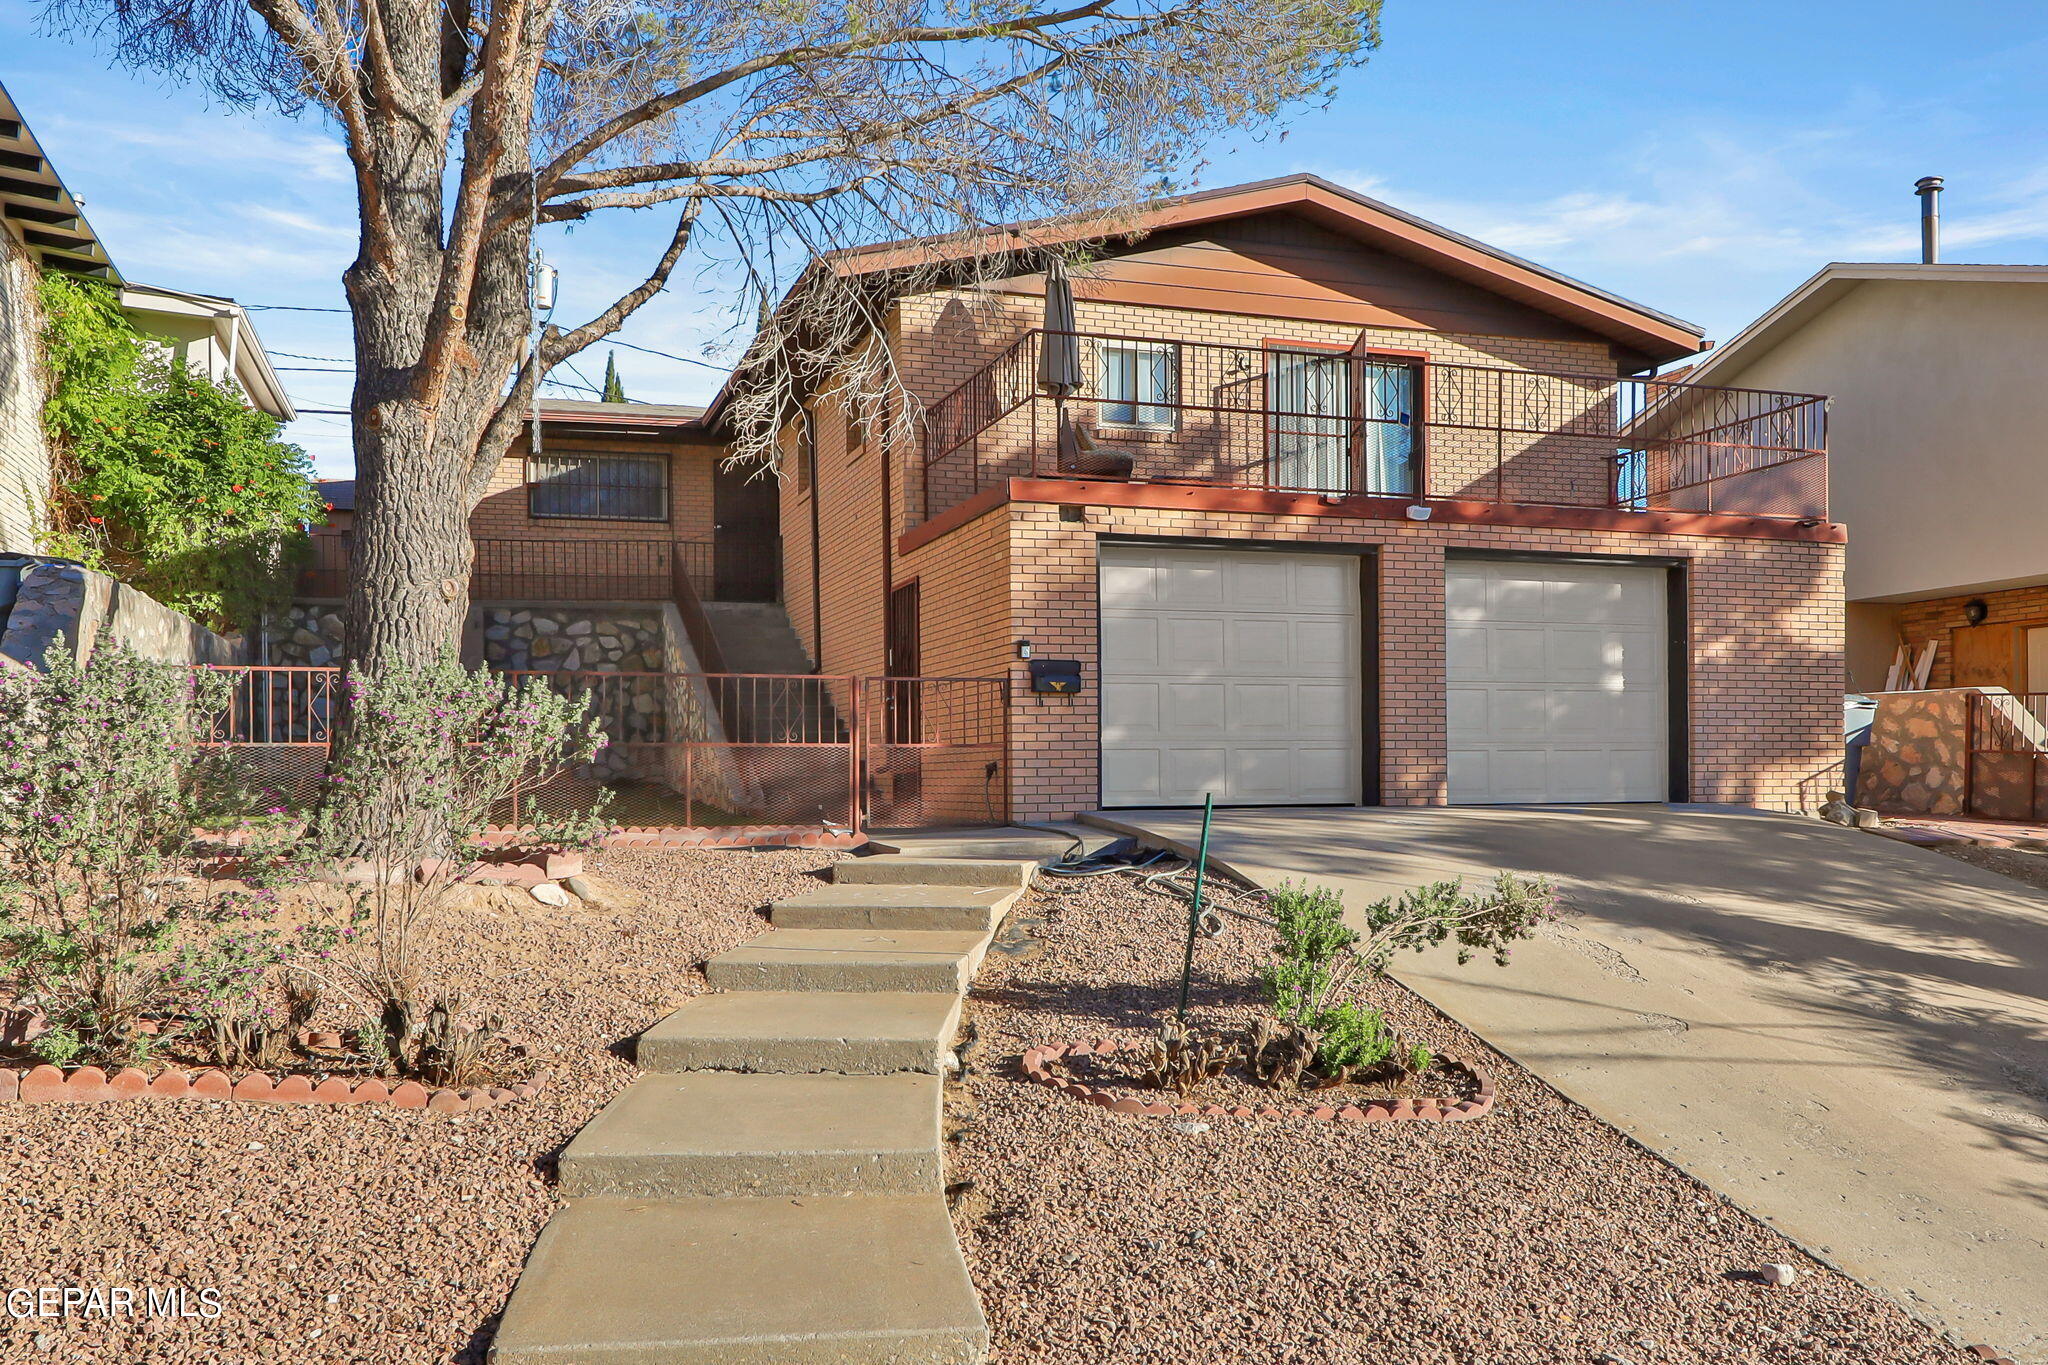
x=724, y=1132
x=904, y=869
x=850, y=960
x=975, y=908
x=860, y=1033
x=1036, y=845
x=864, y=1279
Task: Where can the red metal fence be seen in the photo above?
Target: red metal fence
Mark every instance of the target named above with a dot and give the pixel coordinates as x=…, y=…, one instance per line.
x=706, y=758
x=2008, y=772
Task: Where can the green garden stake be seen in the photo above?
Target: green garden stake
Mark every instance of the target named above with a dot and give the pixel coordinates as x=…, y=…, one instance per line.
x=1187, y=965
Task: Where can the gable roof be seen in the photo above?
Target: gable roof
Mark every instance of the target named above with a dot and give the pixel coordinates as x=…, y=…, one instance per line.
x=36, y=208
x=1654, y=334
x=1827, y=286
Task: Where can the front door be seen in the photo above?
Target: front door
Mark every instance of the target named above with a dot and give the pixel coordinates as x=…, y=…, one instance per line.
x=746, y=556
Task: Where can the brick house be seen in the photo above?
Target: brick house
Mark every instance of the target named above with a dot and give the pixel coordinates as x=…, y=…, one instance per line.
x=1343, y=507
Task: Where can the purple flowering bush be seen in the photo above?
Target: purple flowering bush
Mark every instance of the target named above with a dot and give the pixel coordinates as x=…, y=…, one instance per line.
x=430, y=756
x=101, y=792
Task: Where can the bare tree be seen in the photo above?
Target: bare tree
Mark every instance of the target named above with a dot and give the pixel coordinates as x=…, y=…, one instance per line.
x=774, y=131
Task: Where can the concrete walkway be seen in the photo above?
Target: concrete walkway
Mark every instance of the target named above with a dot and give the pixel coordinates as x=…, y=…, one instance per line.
x=772, y=1193
x=1846, y=1035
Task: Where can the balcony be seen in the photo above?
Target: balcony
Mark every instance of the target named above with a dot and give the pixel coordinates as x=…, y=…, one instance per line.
x=1347, y=426
x=547, y=570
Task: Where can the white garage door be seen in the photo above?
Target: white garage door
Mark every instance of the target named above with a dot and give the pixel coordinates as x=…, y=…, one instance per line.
x=1557, y=679
x=1229, y=671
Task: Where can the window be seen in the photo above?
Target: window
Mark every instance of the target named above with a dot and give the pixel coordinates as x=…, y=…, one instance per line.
x=1139, y=383
x=611, y=487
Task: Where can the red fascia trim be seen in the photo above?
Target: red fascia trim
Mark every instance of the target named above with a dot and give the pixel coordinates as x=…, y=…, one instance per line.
x=958, y=515
x=1103, y=493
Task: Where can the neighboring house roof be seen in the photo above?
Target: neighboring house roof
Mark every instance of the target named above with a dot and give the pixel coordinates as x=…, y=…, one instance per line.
x=338, y=494
x=233, y=334
x=1380, y=225
x=647, y=419
x=37, y=209
x=1826, y=287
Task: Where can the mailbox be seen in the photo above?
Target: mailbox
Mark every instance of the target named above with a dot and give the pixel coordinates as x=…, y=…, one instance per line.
x=1061, y=677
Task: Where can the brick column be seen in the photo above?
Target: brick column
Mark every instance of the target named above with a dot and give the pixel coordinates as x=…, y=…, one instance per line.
x=1413, y=770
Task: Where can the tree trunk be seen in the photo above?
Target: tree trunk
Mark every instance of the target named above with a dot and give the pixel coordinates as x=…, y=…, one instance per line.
x=419, y=427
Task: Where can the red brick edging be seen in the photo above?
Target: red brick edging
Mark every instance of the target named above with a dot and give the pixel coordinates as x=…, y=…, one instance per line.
x=1429, y=1109
x=90, y=1085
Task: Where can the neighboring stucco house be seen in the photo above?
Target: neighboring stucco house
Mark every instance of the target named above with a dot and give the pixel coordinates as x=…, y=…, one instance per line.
x=1328, y=505
x=1941, y=470
x=214, y=337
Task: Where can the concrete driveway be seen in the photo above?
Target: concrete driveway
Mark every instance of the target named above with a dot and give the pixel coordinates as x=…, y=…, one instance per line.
x=1846, y=1035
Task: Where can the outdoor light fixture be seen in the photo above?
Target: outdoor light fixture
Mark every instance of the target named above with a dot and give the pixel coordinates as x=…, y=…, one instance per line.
x=1023, y=649
x=1419, y=511
x=1975, y=610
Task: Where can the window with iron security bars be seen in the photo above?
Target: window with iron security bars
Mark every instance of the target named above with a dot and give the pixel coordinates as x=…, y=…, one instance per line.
x=603, y=487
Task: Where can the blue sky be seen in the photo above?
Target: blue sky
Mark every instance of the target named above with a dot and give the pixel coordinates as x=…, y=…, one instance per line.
x=1701, y=159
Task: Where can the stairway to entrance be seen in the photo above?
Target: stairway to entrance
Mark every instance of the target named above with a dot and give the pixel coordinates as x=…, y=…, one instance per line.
x=772, y=1188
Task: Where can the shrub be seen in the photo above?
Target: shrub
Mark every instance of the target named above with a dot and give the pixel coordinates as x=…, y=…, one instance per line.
x=1314, y=950
x=166, y=479
x=427, y=757
x=1488, y=921
x=101, y=790
x=1354, y=1036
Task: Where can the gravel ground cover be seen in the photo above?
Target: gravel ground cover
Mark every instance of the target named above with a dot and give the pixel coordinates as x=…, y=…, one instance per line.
x=1537, y=1236
x=369, y=1234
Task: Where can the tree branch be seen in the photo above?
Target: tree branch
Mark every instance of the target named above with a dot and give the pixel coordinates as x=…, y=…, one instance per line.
x=646, y=112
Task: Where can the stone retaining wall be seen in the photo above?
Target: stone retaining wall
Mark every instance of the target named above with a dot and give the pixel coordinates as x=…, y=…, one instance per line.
x=84, y=606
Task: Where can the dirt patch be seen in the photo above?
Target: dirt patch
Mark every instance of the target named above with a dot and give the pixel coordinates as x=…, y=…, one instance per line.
x=368, y=1234
x=1539, y=1234
x=2031, y=868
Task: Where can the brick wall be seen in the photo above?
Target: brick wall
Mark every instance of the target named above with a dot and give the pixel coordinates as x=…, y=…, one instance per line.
x=1765, y=629
x=502, y=514
x=1919, y=622
x=24, y=457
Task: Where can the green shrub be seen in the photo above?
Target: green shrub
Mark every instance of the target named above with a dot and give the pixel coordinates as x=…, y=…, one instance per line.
x=166, y=479
x=103, y=792
x=1314, y=950
x=1355, y=1036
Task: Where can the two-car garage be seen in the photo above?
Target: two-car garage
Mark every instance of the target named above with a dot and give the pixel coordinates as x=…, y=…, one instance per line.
x=1245, y=672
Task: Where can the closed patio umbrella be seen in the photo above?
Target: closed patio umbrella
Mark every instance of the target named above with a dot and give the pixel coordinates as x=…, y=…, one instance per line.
x=1059, y=350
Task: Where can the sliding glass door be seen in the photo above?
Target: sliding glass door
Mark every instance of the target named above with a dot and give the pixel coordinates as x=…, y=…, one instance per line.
x=1308, y=408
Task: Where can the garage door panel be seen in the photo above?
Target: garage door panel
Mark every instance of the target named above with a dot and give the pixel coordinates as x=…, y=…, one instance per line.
x=1262, y=707
x=1131, y=711
x=1131, y=642
x=1195, y=708
x=1256, y=667
x=1136, y=770
x=1192, y=642
x=1556, y=686
x=1327, y=648
x=1258, y=646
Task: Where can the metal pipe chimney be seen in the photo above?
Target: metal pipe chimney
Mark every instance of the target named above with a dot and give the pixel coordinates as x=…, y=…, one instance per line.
x=1928, y=187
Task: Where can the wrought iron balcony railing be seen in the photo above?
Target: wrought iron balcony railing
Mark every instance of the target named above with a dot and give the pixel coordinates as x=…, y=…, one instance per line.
x=1342, y=424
